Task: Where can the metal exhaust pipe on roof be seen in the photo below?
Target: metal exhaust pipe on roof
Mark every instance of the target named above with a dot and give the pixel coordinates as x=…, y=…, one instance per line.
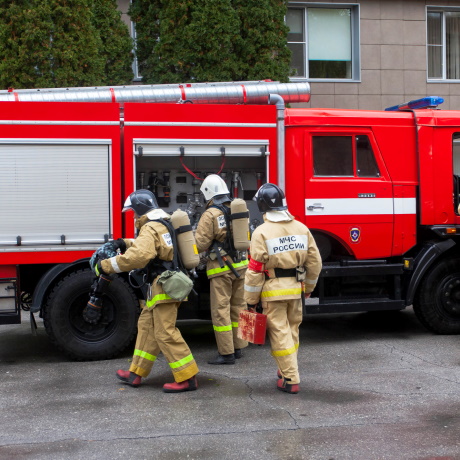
x=227, y=93
x=154, y=86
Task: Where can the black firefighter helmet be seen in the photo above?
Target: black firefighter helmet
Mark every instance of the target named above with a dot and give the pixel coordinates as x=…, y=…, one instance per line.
x=270, y=197
x=141, y=202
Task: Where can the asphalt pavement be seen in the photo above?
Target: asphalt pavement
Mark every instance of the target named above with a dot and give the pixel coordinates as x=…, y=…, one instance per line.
x=374, y=386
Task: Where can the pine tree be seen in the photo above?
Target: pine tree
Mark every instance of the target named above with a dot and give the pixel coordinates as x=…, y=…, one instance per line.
x=210, y=36
x=74, y=52
x=211, y=40
x=57, y=43
x=145, y=14
x=185, y=40
x=117, y=45
x=24, y=43
x=262, y=43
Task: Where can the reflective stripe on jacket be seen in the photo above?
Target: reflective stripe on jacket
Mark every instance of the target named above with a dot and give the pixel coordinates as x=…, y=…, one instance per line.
x=218, y=270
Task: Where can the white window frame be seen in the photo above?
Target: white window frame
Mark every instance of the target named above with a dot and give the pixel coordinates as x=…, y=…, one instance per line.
x=137, y=76
x=355, y=41
x=442, y=10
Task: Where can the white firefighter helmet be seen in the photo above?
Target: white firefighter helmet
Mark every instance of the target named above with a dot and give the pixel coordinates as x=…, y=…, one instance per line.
x=215, y=187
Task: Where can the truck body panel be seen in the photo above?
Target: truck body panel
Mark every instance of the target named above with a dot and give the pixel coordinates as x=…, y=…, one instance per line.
x=58, y=160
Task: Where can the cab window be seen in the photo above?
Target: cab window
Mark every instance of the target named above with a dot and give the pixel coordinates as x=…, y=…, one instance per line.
x=366, y=165
x=332, y=156
x=346, y=156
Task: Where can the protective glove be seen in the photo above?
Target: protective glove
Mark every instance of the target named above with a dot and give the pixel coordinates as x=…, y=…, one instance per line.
x=257, y=307
x=106, y=251
x=94, y=262
x=119, y=244
x=98, y=270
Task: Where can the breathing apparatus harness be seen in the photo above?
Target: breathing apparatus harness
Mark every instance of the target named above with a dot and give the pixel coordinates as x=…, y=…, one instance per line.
x=144, y=277
x=227, y=245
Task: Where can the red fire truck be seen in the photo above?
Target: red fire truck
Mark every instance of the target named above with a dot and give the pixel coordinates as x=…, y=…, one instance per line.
x=378, y=189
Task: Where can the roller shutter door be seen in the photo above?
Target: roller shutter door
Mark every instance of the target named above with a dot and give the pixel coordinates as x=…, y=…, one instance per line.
x=54, y=193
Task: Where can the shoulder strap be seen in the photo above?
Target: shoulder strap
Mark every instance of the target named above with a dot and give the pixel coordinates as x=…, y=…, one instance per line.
x=229, y=238
x=177, y=262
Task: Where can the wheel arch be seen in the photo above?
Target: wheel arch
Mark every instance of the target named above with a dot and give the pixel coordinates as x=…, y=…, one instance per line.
x=50, y=279
x=329, y=245
x=425, y=259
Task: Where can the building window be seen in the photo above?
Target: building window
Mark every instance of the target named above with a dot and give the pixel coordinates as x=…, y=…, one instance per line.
x=324, y=42
x=443, y=43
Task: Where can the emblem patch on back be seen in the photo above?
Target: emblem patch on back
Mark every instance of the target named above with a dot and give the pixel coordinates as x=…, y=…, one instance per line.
x=167, y=238
x=355, y=235
x=221, y=222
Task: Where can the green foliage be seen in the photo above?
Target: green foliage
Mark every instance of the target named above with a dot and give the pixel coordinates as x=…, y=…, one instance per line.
x=58, y=43
x=263, y=39
x=211, y=40
x=117, y=45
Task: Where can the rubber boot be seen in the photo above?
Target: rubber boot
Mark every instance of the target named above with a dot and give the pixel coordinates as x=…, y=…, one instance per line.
x=283, y=385
x=238, y=353
x=280, y=376
x=223, y=359
x=130, y=378
x=179, y=387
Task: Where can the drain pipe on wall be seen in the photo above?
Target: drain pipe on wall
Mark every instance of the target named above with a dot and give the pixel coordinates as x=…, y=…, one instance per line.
x=276, y=99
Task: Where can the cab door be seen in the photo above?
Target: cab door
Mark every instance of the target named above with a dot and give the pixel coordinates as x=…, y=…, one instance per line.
x=349, y=194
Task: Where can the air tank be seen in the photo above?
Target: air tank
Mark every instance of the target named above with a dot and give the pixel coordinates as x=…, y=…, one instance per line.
x=185, y=239
x=240, y=224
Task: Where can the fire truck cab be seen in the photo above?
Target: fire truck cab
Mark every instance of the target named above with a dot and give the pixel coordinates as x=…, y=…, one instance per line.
x=380, y=193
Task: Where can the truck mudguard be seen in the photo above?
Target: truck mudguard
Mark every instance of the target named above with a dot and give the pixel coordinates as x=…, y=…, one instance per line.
x=426, y=257
x=48, y=280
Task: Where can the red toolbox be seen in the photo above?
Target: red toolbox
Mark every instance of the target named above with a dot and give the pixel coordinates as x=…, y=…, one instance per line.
x=252, y=326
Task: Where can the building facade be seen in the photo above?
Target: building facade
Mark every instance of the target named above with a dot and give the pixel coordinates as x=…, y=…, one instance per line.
x=373, y=54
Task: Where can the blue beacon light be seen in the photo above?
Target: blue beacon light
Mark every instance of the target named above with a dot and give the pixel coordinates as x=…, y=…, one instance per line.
x=429, y=102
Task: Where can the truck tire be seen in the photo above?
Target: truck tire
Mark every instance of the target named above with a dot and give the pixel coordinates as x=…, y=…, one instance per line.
x=80, y=340
x=437, y=303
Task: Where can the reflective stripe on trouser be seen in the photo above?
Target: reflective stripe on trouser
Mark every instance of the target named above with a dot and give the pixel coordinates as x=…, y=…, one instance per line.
x=283, y=321
x=157, y=332
x=226, y=303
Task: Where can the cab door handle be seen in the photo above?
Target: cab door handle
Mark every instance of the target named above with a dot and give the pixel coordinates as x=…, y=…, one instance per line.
x=315, y=206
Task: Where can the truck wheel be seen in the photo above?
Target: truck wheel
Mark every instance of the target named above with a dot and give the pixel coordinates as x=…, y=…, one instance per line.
x=80, y=340
x=437, y=303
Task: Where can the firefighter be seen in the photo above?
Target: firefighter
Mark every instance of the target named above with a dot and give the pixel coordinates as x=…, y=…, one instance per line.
x=285, y=263
x=157, y=331
x=225, y=269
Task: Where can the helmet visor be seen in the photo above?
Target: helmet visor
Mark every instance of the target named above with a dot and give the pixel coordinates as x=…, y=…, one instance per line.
x=128, y=205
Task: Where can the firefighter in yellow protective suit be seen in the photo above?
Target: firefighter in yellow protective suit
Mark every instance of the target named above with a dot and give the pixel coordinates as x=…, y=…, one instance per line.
x=225, y=269
x=157, y=331
x=284, y=262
